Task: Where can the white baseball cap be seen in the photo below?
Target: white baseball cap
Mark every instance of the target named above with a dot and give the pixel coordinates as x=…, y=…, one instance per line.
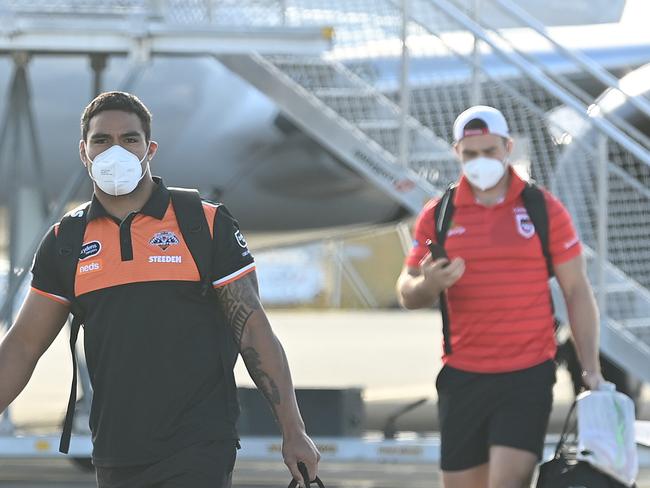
x=489, y=121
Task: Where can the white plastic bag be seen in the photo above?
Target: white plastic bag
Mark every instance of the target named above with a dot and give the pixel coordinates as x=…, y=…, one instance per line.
x=606, y=438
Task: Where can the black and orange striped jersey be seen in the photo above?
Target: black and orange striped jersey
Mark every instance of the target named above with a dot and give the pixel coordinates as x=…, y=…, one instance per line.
x=500, y=310
x=150, y=337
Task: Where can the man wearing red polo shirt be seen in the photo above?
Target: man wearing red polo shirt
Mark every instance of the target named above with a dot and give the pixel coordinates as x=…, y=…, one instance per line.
x=495, y=388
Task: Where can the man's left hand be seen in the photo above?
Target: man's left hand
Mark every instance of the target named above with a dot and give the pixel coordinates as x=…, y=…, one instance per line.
x=592, y=379
x=300, y=448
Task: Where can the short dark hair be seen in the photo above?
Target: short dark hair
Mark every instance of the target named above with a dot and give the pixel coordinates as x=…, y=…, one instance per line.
x=480, y=124
x=475, y=124
x=116, y=100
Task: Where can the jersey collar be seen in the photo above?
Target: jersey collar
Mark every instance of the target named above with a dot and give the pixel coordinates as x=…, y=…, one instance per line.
x=464, y=196
x=155, y=207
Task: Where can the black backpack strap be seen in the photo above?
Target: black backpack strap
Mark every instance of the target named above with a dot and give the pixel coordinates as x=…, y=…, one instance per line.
x=196, y=232
x=69, y=240
x=64, y=445
x=191, y=219
x=535, y=204
x=443, y=214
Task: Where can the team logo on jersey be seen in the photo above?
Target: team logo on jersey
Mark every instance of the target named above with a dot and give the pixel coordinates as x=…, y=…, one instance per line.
x=525, y=226
x=90, y=267
x=240, y=239
x=456, y=230
x=164, y=239
x=90, y=249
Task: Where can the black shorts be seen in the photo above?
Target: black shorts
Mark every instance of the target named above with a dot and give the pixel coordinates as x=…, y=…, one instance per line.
x=479, y=410
x=208, y=464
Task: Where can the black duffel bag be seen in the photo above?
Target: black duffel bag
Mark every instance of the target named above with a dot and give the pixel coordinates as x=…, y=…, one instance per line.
x=305, y=475
x=565, y=471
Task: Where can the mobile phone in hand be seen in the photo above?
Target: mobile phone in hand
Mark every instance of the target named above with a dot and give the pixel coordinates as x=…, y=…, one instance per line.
x=437, y=251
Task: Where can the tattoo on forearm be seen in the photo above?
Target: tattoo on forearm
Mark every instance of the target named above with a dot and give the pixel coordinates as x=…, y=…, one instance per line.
x=239, y=300
x=264, y=382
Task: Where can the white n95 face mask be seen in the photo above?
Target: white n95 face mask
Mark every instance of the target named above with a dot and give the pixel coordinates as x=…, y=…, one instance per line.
x=116, y=170
x=484, y=173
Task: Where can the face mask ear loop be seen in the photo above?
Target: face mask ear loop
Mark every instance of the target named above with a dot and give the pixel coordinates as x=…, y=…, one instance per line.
x=144, y=171
x=90, y=162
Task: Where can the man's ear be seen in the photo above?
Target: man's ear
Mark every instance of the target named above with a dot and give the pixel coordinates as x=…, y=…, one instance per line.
x=153, y=149
x=456, y=147
x=82, y=153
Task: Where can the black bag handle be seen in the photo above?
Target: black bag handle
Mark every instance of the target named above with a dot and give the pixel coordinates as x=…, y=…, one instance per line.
x=565, y=431
x=305, y=475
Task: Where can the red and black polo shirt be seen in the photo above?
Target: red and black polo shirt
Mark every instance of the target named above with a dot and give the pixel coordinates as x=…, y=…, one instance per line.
x=500, y=311
x=151, y=339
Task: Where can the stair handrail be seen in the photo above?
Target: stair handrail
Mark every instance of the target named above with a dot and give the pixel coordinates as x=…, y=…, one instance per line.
x=621, y=173
x=581, y=94
x=547, y=83
x=593, y=68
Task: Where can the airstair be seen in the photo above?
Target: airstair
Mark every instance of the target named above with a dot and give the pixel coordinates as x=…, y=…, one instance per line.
x=361, y=125
x=350, y=116
x=354, y=121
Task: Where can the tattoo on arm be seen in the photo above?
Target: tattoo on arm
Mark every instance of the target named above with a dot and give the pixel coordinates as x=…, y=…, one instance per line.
x=264, y=382
x=239, y=300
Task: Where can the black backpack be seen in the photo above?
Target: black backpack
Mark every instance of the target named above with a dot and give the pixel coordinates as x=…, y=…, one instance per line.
x=194, y=227
x=535, y=205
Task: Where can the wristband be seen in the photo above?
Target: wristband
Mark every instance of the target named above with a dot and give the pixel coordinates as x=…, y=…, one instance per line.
x=586, y=372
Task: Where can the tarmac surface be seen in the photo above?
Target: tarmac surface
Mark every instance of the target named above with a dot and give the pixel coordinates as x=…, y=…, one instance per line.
x=392, y=355
x=60, y=473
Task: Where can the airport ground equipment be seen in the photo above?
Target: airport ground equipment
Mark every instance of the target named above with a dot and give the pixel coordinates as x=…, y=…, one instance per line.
x=327, y=412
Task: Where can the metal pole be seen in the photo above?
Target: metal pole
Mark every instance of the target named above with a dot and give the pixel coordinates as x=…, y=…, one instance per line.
x=283, y=8
x=16, y=163
x=405, y=238
x=335, y=248
x=208, y=10
x=13, y=126
x=98, y=65
x=26, y=108
x=404, y=89
x=603, y=212
x=476, y=94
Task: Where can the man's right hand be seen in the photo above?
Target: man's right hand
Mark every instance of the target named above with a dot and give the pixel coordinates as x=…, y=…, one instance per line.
x=38, y=323
x=441, y=274
x=419, y=286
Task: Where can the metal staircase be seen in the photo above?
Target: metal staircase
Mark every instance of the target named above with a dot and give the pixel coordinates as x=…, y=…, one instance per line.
x=353, y=120
x=361, y=125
